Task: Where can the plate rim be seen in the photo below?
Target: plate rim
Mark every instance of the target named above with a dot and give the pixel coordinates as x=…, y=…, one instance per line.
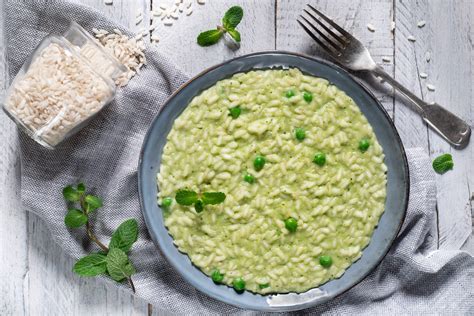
x=316, y=59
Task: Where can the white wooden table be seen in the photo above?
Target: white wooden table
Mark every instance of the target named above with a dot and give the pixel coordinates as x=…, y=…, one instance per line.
x=36, y=274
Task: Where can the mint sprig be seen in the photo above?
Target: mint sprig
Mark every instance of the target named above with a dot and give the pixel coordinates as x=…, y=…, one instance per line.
x=231, y=19
x=189, y=197
x=112, y=260
x=443, y=163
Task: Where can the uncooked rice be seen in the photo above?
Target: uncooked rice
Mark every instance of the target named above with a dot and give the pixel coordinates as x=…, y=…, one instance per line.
x=57, y=93
x=129, y=51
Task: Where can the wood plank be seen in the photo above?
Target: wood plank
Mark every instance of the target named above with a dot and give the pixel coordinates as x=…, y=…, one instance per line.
x=352, y=16
x=445, y=37
x=178, y=42
x=53, y=289
x=408, y=65
x=13, y=236
x=448, y=36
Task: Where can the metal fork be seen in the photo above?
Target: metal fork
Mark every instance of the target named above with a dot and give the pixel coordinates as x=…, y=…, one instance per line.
x=352, y=54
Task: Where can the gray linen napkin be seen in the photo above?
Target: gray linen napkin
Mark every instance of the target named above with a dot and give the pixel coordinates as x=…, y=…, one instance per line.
x=413, y=278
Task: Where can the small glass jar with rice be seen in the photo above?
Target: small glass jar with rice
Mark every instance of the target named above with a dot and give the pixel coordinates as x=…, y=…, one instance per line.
x=65, y=82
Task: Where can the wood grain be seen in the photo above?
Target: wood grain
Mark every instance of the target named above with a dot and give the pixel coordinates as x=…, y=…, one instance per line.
x=447, y=38
x=454, y=89
x=13, y=223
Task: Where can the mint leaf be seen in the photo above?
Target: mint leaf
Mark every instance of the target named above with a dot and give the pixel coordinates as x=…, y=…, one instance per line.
x=232, y=17
x=118, y=265
x=186, y=197
x=125, y=235
x=199, y=206
x=91, y=265
x=235, y=35
x=70, y=194
x=209, y=38
x=443, y=163
x=213, y=197
x=92, y=202
x=75, y=218
x=81, y=188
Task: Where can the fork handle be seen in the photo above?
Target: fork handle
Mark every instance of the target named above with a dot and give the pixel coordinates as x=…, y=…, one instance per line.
x=452, y=128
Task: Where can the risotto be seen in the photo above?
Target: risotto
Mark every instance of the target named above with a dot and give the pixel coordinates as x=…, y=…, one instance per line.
x=302, y=172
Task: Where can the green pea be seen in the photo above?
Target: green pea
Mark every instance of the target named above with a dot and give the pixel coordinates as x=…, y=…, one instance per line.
x=249, y=178
x=325, y=261
x=364, y=144
x=319, y=159
x=217, y=276
x=259, y=162
x=239, y=285
x=290, y=93
x=199, y=206
x=235, y=111
x=264, y=286
x=166, y=202
x=300, y=133
x=308, y=96
x=291, y=224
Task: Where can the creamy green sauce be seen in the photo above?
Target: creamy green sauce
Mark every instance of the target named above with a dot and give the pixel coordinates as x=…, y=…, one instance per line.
x=336, y=205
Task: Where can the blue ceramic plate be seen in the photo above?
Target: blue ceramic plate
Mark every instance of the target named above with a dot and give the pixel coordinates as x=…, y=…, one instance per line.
x=384, y=234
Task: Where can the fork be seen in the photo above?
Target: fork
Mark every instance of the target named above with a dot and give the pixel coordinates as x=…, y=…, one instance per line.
x=350, y=53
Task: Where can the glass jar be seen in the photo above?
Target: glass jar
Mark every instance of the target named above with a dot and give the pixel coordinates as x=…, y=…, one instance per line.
x=62, y=85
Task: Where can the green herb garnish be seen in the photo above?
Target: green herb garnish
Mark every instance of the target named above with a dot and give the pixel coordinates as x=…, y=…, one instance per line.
x=210, y=37
x=213, y=197
x=235, y=111
x=91, y=265
x=199, y=206
x=188, y=197
x=231, y=19
x=443, y=163
x=112, y=260
x=264, y=285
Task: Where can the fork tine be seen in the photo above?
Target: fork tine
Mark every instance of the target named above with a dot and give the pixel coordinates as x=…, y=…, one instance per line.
x=322, y=34
x=331, y=22
x=328, y=30
x=316, y=38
